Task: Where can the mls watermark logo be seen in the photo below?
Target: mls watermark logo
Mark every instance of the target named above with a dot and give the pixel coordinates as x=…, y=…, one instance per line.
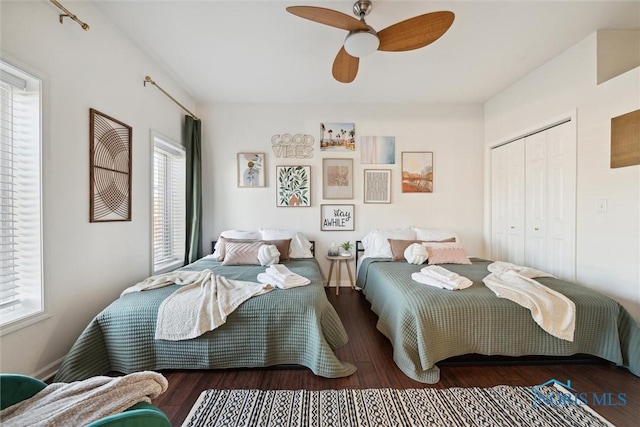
x=563, y=394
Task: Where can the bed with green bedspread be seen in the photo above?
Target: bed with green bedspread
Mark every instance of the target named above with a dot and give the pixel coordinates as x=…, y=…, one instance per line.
x=426, y=324
x=296, y=326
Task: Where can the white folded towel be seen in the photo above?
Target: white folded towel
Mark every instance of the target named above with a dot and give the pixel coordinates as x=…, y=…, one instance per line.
x=280, y=276
x=440, y=277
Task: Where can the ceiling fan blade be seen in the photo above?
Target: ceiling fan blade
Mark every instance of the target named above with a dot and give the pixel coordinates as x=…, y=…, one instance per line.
x=345, y=67
x=415, y=32
x=329, y=17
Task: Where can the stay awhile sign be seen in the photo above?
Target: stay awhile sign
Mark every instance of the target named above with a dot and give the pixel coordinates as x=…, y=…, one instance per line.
x=337, y=217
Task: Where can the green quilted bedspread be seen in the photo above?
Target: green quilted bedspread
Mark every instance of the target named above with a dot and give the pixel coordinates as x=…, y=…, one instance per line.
x=296, y=326
x=426, y=324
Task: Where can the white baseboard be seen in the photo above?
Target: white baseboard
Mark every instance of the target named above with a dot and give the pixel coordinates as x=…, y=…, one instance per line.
x=48, y=371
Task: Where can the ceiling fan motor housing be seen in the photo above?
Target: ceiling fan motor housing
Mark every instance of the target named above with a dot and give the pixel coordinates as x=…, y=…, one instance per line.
x=362, y=8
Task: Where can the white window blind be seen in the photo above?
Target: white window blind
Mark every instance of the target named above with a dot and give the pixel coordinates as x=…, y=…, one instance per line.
x=169, y=205
x=21, y=290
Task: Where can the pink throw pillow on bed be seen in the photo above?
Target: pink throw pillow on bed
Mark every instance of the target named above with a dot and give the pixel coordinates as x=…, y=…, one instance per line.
x=242, y=253
x=446, y=253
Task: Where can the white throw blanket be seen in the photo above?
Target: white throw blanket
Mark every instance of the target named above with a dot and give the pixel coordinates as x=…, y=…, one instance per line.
x=201, y=305
x=82, y=402
x=440, y=277
x=554, y=312
x=280, y=276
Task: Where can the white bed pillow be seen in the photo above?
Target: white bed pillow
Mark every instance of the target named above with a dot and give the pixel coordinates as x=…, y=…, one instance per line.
x=300, y=247
x=376, y=243
x=432, y=235
x=233, y=234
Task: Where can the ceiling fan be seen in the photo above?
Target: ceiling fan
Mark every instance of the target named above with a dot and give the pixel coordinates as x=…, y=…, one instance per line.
x=410, y=34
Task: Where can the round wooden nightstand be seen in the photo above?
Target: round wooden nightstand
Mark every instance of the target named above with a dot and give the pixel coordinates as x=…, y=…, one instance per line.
x=337, y=259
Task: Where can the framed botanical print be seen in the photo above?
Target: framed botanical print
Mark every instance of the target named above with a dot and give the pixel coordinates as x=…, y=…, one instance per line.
x=251, y=170
x=377, y=185
x=337, y=218
x=417, y=172
x=293, y=186
x=337, y=178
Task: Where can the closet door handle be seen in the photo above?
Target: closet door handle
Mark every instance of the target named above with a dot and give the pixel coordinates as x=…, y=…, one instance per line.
x=536, y=228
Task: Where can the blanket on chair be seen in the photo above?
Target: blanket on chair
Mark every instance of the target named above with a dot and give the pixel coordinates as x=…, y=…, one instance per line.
x=83, y=402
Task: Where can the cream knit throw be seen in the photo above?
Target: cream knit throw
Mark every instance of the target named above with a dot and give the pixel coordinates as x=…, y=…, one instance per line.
x=83, y=402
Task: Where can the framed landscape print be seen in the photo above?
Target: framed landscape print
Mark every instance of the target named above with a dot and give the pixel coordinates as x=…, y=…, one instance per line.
x=377, y=185
x=251, y=170
x=337, y=218
x=417, y=172
x=337, y=178
x=293, y=186
x=337, y=136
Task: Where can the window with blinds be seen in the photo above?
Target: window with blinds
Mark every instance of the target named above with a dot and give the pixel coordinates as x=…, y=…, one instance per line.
x=21, y=286
x=169, y=205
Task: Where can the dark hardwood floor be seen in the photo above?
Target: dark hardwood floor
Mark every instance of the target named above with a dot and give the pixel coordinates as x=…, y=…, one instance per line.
x=371, y=352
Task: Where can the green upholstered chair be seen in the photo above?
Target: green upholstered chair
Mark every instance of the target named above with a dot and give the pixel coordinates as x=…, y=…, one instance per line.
x=15, y=388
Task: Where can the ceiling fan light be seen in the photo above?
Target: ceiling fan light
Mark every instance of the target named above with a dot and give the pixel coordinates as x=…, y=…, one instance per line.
x=361, y=43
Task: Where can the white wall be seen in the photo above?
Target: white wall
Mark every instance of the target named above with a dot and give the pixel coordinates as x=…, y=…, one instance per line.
x=608, y=244
x=86, y=265
x=452, y=133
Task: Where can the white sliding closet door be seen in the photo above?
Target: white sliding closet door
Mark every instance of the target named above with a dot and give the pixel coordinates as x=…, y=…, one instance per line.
x=508, y=208
x=533, y=198
x=551, y=201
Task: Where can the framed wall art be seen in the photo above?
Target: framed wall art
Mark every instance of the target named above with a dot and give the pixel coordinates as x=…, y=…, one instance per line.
x=625, y=140
x=293, y=186
x=337, y=218
x=337, y=178
x=251, y=170
x=417, y=172
x=377, y=185
x=110, y=168
x=337, y=136
x=378, y=150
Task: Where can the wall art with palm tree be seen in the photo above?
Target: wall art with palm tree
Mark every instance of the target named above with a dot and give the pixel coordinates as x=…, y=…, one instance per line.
x=337, y=136
x=293, y=186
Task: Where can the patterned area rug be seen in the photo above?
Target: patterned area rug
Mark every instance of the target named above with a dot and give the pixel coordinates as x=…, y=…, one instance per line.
x=495, y=406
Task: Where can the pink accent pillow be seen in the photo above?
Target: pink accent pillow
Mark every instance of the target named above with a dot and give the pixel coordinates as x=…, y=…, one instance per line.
x=399, y=246
x=282, y=245
x=242, y=253
x=446, y=253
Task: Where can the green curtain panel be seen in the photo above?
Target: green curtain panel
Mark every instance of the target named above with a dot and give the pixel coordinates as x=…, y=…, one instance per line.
x=193, y=138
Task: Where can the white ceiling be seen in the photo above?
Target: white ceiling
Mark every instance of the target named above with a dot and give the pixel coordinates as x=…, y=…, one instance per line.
x=256, y=52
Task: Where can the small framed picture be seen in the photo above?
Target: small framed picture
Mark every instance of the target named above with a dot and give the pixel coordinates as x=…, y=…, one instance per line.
x=417, y=172
x=377, y=185
x=337, y=218
x=293, y=186
x=337, y=136
x=337, y=178
x=251, y=170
